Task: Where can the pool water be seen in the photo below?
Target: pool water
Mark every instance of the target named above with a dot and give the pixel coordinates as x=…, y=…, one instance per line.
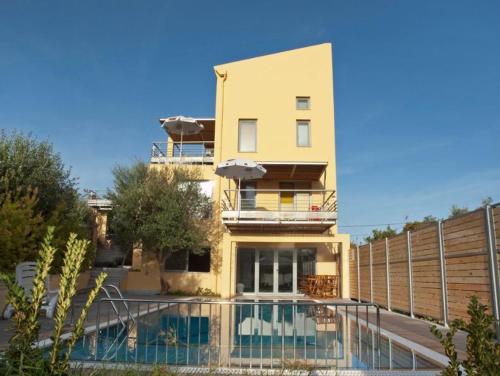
x=258, y=336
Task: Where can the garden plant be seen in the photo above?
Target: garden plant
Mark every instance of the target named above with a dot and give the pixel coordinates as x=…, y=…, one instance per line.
x=23, y=356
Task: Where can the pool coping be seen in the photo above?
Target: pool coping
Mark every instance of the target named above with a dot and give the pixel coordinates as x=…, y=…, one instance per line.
x=190, y=370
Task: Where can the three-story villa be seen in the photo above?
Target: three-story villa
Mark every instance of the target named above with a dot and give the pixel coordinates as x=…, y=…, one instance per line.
x=276, y=110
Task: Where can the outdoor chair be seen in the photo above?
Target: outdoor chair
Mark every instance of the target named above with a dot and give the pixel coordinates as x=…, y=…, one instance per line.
x=25, y=275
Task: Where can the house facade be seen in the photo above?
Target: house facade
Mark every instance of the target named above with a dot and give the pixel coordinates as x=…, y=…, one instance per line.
x=276, y=110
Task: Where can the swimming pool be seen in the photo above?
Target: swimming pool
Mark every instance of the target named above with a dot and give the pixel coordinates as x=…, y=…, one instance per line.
x=262, y=334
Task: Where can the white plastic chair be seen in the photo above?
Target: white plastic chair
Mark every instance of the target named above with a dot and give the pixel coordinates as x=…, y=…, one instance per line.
x=25, y=275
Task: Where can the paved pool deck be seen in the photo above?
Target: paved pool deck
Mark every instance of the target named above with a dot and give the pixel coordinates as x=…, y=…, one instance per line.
x=411, y=332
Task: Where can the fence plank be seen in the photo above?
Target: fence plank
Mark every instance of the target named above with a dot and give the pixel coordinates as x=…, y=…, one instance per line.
x=398, y=265
x=353, y=273
x=364, y=272
x=379, y=273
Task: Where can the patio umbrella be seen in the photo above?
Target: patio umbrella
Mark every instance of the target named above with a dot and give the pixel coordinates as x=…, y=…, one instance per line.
x=241, y=169
x=182, y=125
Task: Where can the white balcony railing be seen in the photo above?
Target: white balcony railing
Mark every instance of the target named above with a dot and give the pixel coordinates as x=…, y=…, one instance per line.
x=192, y=152
x=283, y=206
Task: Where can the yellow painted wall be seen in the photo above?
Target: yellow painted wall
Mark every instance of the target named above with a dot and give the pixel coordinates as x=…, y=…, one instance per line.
x=265, y=88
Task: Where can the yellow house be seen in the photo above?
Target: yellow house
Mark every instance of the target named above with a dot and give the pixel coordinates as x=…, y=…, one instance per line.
x=278, y=111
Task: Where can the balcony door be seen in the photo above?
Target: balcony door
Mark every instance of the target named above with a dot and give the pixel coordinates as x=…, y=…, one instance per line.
x=248, y=195
x=295, y=196
x=277, y=271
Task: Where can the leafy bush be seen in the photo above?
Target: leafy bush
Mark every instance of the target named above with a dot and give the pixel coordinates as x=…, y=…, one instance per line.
x=29, y=166
x=483, y=352
x=21, y=227
x=22, y=357
x=199, y=292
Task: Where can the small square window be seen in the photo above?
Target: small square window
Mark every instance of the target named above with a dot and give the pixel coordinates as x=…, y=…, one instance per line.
x=303, y=133
x=303, y=103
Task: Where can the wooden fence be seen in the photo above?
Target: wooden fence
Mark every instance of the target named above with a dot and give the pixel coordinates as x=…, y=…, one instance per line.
x=433, y=271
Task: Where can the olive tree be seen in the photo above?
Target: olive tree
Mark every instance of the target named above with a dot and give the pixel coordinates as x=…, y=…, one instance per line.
x=163, y=209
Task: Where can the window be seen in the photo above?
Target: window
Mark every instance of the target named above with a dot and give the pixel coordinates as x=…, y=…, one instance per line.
x=247, y=136
x=303, y=133
x=302, y=103
x=184, y=261
x=177, y=261
x=199, y=262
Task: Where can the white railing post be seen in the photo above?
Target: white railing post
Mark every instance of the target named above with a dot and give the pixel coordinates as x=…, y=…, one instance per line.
x=493, y=265
x=357, y=266
x=410, y=273
x=442, y=266
x=371, y=273
x=388, y=274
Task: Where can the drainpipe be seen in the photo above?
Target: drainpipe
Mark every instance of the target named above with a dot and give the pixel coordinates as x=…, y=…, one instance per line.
x=222, y=75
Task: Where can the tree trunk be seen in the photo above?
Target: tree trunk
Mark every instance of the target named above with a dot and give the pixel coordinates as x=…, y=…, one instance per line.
x=162, y=257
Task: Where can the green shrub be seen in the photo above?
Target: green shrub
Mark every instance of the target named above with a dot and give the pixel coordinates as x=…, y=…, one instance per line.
x=483, y=352
x=22, y=357
x=28, y=165
x=21, y=227
x=199, y=292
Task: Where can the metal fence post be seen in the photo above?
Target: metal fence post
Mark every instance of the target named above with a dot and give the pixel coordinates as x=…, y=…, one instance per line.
x=493, y=265
x=371, y=274
x=410, y=273
x=357, y=266
x=442, y=266
x=388, y=274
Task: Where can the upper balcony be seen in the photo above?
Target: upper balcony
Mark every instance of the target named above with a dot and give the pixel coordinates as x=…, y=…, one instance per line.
x=279, y=210
x=192, y=152
x=197, y=148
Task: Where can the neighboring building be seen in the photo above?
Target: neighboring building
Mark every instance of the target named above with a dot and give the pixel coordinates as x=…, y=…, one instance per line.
x=276, y=110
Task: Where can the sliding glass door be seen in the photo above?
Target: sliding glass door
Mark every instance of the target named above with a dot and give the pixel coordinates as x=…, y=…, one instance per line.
x=272, y=271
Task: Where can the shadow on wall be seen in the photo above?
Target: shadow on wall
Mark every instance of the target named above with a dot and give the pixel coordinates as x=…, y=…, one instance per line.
x=189, y=282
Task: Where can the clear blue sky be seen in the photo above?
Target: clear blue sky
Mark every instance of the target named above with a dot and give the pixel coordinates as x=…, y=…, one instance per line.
x=417, y=87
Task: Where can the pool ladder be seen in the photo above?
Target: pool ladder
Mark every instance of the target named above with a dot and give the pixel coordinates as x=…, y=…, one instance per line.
x=124, y=324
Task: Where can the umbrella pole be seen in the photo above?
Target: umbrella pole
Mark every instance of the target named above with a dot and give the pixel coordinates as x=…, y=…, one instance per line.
x=239, y=198
x=180, y=153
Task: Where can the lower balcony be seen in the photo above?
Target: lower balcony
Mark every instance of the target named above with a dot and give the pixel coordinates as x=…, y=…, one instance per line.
x=279, y=210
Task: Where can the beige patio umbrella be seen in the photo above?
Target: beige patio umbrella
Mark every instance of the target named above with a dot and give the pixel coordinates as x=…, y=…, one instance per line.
x=182, y=125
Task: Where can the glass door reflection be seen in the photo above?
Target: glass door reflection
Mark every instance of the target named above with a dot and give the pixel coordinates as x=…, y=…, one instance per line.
x=285, y=270
x=266, y=271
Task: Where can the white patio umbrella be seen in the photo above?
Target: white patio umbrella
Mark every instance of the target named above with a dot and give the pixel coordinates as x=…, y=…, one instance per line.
x=241, y=169
x=182, y=125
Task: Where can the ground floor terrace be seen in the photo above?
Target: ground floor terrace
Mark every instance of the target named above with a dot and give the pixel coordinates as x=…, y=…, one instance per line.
x=261, y=333
x=266, y=264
